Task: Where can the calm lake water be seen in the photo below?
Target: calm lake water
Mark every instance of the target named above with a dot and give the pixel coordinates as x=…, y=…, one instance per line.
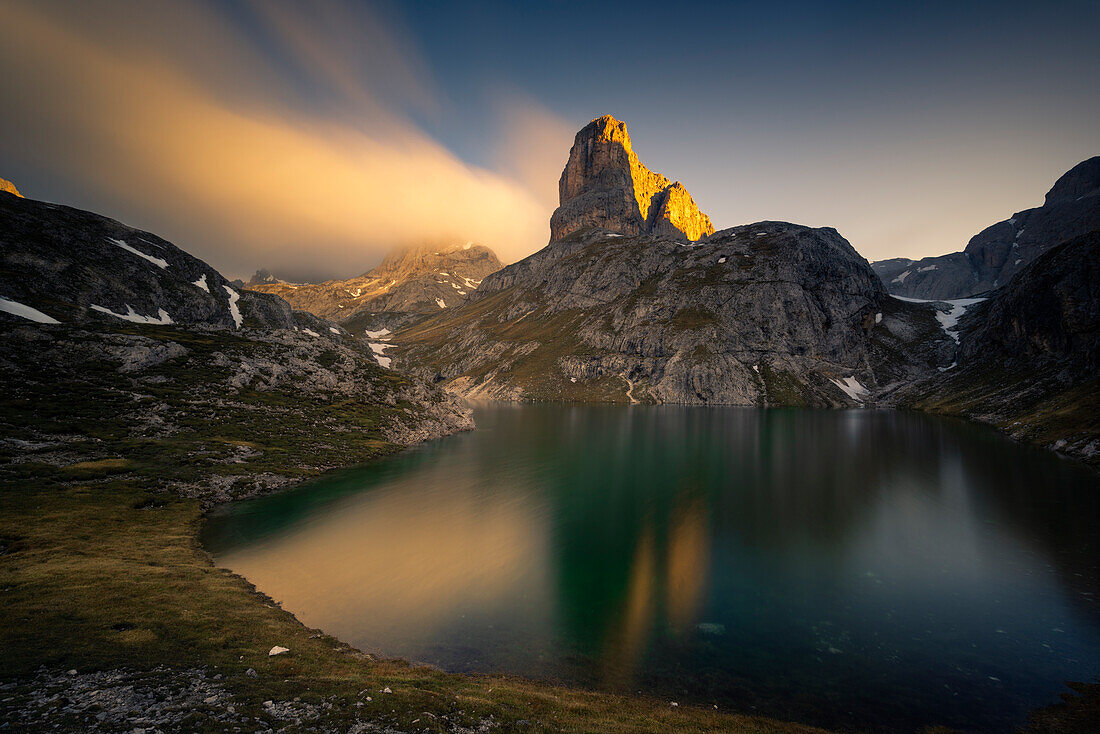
x=867, y=569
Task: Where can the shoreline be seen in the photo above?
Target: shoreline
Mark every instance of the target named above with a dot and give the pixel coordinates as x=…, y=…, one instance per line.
x=223, y=627
x=103, y=572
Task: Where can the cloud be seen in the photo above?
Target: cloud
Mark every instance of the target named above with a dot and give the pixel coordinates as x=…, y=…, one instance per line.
x=533, y=145
x=302, y=158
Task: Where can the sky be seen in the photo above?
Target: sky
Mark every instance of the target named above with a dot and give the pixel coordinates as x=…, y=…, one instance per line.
x=311, y=138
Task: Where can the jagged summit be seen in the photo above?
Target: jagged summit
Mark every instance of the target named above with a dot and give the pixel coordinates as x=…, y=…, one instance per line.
x=8, y=187
x=605, y=185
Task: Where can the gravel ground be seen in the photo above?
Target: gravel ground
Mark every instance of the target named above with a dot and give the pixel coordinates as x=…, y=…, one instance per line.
x=168, y=700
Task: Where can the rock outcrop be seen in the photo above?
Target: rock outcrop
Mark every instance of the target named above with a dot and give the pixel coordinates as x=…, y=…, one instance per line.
x=7, y=187
x=999, y=252
x=407, y=286
x=605, y=185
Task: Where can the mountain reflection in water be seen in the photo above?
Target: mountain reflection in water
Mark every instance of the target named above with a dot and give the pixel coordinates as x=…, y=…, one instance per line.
x=848, y=568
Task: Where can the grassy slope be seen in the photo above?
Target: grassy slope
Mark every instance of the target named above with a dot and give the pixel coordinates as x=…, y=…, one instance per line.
x=1027, y=404
x=100, y=567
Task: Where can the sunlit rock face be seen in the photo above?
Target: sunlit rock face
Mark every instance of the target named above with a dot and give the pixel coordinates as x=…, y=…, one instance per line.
x=605, y=185
x=8, y=187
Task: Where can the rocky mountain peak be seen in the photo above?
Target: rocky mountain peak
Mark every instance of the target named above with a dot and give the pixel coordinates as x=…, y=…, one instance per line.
x=8, y=187
x=1078, y=182
x=406, y=262
x=605, y=185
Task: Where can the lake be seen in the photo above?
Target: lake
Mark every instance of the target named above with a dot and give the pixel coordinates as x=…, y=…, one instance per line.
x=853, y=569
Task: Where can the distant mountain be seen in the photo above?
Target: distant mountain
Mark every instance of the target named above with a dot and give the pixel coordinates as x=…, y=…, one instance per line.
x=605, y=185
x=1029, y=361
x=264, y=277
x=630, y=310
x=408, y=285
x=997, y=253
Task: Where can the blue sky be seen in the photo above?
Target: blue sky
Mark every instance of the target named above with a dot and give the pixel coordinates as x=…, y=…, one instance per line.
x=312, y=138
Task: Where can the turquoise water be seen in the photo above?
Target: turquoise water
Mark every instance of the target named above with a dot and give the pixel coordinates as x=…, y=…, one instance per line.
x=854, y=569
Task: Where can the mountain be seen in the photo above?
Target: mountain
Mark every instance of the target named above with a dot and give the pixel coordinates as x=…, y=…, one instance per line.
x=1029, y=361
x=265, y=277
x=78, y=267
x=764, y=314
x=408, y=285
x=8, y=187
x=604, y=185
x=997, y=253
x=120, y=347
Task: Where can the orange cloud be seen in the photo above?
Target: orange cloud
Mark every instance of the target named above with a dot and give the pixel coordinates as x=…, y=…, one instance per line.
x=247, y=181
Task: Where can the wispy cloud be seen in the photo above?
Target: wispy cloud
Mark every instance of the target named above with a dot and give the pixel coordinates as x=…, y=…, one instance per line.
x=285, y=142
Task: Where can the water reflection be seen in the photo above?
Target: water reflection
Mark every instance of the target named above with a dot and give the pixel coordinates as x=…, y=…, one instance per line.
x=858, y=568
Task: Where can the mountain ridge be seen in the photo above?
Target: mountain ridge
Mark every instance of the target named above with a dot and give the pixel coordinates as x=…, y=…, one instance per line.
x=993, y=256
x=409, y=284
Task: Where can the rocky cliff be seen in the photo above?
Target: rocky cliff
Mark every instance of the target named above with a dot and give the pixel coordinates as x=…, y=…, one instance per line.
x=766, y=314
x=408, y=285
x=997, y=253
x=1029, y=361
x=605, y=185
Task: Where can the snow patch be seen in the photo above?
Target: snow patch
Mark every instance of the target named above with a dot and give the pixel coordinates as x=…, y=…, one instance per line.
x=612, y=234
x=201, y=283
x=233, y=310
x=439, y=302
x=162, y=316
x=878, y=318
x=950, y=319
x=31, y=314
x=721, y=260
x=159, y=262
x=1018, y=262
x=334, y=330
x=901, y=278
x=926, y=269
x=852, y=388
x=468, y=245
x=380, y=334
x=380, y=353
x=311, y=332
